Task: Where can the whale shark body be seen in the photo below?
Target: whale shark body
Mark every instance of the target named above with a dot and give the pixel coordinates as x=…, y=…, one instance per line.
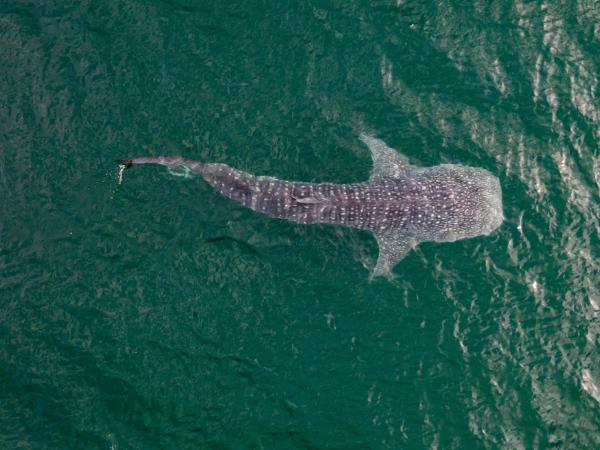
x=401, y=204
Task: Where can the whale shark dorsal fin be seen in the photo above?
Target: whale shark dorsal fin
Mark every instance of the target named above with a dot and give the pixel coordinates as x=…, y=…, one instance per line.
x=393, y=247
x=387, y=162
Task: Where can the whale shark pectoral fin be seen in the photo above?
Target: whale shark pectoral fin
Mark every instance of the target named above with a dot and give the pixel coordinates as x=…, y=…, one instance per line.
x=387, y=162
x=392, y=248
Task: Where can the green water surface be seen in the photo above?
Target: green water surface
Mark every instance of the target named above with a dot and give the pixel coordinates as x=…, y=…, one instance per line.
x=156, y=314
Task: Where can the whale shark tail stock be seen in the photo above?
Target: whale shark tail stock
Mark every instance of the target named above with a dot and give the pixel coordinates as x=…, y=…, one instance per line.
x=235, y=184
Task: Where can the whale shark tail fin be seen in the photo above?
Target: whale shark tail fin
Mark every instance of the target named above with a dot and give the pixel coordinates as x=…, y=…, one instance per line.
x=176, y=165
x=126, y=163
x=172, y=162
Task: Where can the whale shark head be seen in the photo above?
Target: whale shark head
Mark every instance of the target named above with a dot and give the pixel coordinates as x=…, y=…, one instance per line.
x=487, y=196
x=492, y=201
x=489, y=214
x=467, y=202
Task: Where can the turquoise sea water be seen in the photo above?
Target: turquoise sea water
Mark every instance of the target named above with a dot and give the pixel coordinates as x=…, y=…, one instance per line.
x=157, y=314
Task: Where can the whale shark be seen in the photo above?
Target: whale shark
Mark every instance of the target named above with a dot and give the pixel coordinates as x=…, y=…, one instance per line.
x=401, y=204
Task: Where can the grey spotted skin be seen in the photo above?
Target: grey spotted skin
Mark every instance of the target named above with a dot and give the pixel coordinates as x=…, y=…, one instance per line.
x=401, y=204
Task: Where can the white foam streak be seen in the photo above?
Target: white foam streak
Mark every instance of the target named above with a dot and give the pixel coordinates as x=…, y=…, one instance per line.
x=582, y=81
x=588, y=383
x=579, y=195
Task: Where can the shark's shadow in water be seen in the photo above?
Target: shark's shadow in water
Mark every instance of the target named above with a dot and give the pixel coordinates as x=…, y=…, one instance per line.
x=401, y=204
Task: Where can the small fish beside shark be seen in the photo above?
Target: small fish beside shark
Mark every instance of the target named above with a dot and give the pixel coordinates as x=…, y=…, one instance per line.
x=401, y=204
